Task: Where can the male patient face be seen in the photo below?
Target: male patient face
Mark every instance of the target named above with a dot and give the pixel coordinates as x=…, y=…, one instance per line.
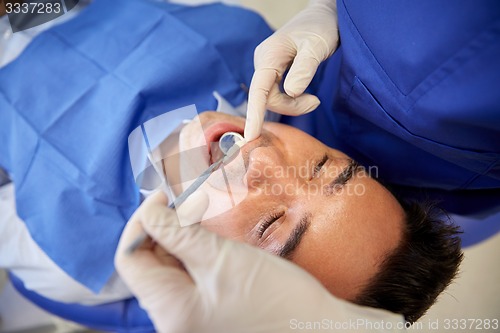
x=303, y=201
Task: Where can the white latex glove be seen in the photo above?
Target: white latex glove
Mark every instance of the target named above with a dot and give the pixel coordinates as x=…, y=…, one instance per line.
x=304, y=42
x=224, y=286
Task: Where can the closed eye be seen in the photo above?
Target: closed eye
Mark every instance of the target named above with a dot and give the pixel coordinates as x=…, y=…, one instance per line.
x=268, y=221
x=319, y=166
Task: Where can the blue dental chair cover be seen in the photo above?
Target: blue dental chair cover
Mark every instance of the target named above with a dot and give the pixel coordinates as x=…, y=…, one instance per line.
x=69, y=102
x=124, y=316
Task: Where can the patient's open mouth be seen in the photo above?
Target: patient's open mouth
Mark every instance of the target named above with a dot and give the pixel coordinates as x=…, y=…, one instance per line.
x=213, y=134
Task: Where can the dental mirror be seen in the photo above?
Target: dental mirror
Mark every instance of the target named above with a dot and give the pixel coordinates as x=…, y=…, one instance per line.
x=228, y=140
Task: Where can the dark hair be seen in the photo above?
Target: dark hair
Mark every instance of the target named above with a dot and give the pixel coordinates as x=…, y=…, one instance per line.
x=422, y=266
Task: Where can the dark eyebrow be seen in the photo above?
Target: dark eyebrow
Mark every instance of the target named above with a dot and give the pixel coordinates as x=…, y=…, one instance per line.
x=343, y=177
x=287, y=250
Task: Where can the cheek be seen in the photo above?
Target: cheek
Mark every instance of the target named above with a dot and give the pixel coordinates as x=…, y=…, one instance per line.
x=229, y=225
x=190, y=135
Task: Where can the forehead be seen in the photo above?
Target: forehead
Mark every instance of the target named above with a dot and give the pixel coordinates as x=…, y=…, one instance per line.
x=350, y=234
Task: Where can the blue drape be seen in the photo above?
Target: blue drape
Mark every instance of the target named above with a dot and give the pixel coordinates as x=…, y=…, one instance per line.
x=69, y=102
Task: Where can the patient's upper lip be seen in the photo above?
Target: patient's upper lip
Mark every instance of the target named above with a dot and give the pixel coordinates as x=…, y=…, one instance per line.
x=248, y=147
x=214, y=130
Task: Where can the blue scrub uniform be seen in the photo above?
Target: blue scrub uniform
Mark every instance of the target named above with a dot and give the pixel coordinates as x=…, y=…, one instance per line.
x=414, y=89
x=71, y=99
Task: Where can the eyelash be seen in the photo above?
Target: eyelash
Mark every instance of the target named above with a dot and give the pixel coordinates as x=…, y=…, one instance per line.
x=319, y=166
x=270, y=219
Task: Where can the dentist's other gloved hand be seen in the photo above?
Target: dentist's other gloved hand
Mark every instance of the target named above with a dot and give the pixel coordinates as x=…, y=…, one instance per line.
x=304, y=42
x=192, y=280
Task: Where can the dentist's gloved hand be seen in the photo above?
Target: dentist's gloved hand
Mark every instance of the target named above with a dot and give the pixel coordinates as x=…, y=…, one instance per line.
x=304, y=42
x=195, y=281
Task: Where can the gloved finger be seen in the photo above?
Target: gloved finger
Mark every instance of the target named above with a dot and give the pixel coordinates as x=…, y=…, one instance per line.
x=196, y=247
x=149, y=271
x=301, y=73
x=276, y=52
x=134, y=229
x=154, y=207
x=262, y=82
x=135, y=269
x=282, y=103
x=165, y=291
x=162, y=223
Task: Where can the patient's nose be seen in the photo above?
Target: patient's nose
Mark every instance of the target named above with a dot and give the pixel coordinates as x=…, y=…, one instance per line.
x=266, y=166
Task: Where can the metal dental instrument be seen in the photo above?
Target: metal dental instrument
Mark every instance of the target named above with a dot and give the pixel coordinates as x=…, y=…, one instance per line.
x=233, y=150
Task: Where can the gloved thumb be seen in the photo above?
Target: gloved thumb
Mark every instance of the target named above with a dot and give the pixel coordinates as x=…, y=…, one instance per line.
x=192, y=245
